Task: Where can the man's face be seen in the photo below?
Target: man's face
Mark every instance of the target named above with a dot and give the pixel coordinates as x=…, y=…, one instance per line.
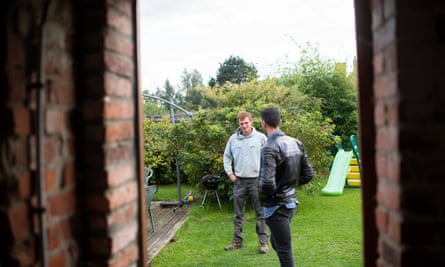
x=245, y=125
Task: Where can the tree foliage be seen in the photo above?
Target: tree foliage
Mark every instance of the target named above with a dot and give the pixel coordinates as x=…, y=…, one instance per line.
x=235, y=70
x=200, y=141
x=329, y=82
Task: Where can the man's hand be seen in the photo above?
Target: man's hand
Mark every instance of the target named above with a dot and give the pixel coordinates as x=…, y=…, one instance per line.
x=232, y=177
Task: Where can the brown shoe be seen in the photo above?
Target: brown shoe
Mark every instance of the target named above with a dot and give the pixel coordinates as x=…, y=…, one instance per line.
x=264, y=248
x=234, y=245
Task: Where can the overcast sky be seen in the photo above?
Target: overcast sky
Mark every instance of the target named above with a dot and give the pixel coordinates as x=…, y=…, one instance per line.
x=200, y=34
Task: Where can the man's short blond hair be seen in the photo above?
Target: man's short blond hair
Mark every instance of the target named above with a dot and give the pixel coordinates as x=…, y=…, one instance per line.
x=244, y=114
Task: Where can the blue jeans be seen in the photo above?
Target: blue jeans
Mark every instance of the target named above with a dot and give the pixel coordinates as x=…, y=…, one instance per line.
x=245, y=188
x=280, y=234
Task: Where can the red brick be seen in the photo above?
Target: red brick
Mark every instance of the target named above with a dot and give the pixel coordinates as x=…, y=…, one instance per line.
x=56, y=121
x=15, y=68
x=119, y=131
x=393, y=167
x=385, y=35
x=58, y=259
x=379, y=64
x=385, y=86
x=380, y=114
x=394, y=227
x=52, y=149
x=381, y=164
x=115, y=110
x=25, y=186
x=392, y=111
x=54, y=237
x=119, y=43
x=119, y=64
x=119, y=174
x=117, y=86
x=50, y=180
x=123, y=237
x=69, y=174
x=24, y=251
x=387, y=139
x=125, y=258
x=388, y=195
x=381, y=219
x=19, y=220
x=118, y=152
x=19, y=151
x=122, y=195
x=123, y=215
x=61, y=91
x=122, y=6
x=63, y=203
x=119, y=21
x=22, y=121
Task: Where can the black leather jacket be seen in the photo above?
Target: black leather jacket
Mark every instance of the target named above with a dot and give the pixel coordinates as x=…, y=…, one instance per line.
x=284, y=162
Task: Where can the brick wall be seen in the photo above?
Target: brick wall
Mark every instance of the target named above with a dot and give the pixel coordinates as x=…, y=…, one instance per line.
x=18, y=143
x=91, y=189
x=409, y=121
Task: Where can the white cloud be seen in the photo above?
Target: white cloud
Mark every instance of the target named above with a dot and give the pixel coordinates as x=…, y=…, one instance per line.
x=200, y=34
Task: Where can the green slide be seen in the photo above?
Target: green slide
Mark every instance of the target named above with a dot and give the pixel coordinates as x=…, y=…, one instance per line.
x=337, y=176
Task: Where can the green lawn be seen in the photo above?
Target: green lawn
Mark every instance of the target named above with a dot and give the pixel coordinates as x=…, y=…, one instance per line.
x=327, y=231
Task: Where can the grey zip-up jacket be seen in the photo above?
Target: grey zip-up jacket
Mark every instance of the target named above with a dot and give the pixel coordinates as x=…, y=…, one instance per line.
x=244, y=152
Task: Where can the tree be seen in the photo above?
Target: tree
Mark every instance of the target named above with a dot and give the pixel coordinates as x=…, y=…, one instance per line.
x=235, y=70
x=324, y=79
x=191, y=80
x=169, y=93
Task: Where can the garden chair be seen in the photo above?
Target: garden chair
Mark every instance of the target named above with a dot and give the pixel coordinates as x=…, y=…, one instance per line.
x=150, y=191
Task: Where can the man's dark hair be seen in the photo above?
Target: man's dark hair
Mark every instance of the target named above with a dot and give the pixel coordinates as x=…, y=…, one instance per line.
x=271, y=116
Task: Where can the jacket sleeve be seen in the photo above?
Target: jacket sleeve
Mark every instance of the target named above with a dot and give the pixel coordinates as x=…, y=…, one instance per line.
x=306, y=171
x=227, y=158
x=267, y=185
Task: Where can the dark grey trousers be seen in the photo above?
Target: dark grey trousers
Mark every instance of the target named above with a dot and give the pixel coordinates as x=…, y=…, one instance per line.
x=247, y=188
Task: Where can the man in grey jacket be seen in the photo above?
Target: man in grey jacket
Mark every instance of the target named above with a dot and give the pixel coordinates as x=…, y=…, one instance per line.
x=242, y=165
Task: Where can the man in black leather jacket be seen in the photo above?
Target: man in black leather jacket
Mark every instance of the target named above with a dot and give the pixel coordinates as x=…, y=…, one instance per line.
x=284, y=164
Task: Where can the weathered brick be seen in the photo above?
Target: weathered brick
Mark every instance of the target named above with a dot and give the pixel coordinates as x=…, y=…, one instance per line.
x=61, y=91
x=25, y=186
x=22, y=120
x=119, y=131
x=119, y=174
x=63, y=203
x=58, y=259
x=18, y=219
x=51, y=182
x=117, y=86
x=126, y=257
x=381, y=219
x=69, y=173
x=122, y=195
x=119, y=64
x=115, y=109
x=119, y=43
x=52, y=149
x=119, y=21
x=123, y=237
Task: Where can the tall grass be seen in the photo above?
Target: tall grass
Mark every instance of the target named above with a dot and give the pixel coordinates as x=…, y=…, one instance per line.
x=327, y=231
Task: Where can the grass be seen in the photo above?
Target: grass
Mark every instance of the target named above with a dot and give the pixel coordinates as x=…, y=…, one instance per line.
x=327, y=231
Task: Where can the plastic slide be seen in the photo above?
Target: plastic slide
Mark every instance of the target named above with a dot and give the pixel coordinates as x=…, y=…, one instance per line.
x=337, y=176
